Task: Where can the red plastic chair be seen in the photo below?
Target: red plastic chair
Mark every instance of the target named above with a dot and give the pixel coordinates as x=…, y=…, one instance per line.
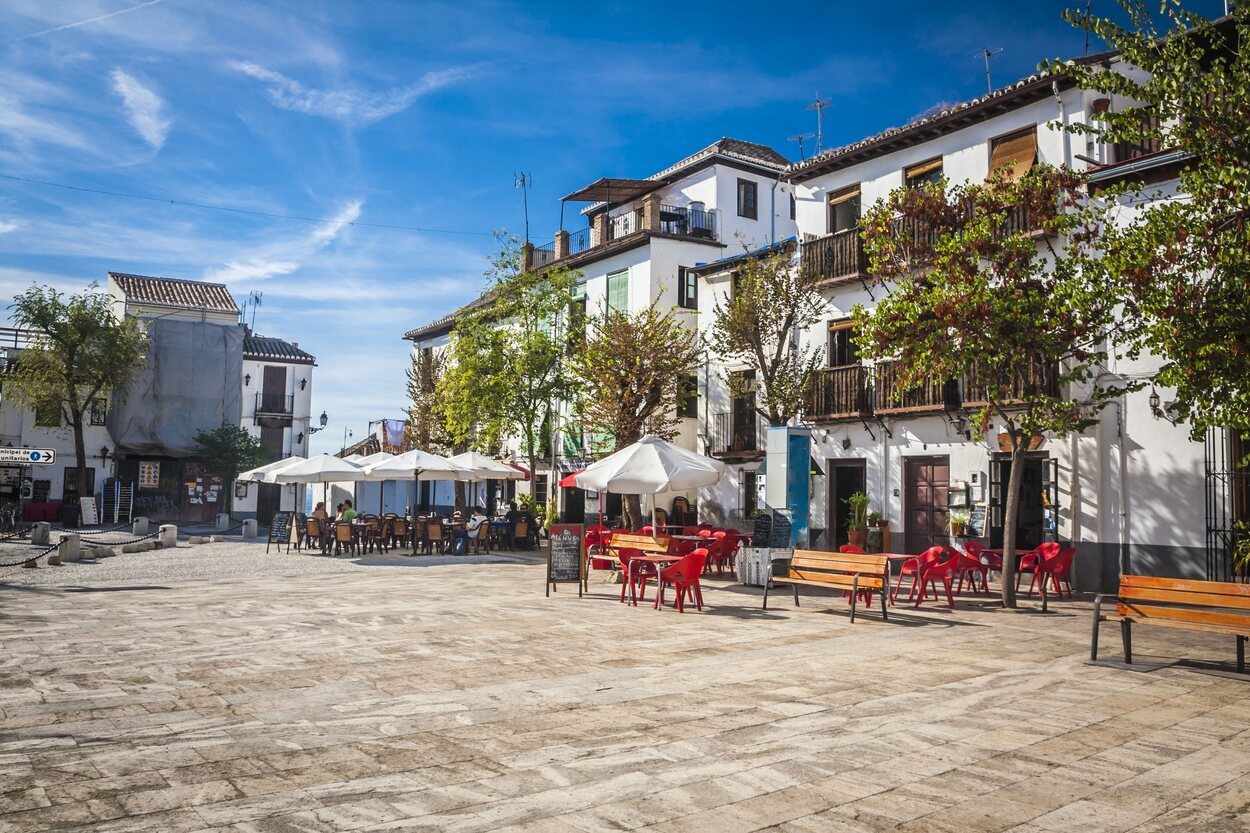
x=866, y=595
x=944, y=572
x=915, y=568
x=1030, y=560
x=853, y=549
x=684, y=577
x=600, y=548
x=634, y=576
x=1057, y=568
x=967, y=567
x=988, y=560
x=689, y=530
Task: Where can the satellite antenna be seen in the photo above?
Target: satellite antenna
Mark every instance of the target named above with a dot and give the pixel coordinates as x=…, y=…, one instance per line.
x=800, y=139
x=819, y=106
x=523, y=181
x=988, y=53
x=253, y=298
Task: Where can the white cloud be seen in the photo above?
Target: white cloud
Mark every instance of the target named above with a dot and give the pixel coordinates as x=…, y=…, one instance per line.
x=282, y=257
x=143, y=108
x=7, y=226
x=348, y=105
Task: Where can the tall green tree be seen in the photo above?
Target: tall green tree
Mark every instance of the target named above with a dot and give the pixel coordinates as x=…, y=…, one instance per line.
x=426, y=427
x=633, y=372
x=506, y=362
x=771, y=300
x=972, y=296
x=1185, y=258
x=227, y=451
x=80, y=352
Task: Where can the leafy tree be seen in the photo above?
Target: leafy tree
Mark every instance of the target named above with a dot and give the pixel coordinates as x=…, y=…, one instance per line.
x=505, y=364
x=1186, y=260
x=80, y=352
x=770, y=299
x=227, y=451
x=426, y=426
x=633, y=370
x=973, y=296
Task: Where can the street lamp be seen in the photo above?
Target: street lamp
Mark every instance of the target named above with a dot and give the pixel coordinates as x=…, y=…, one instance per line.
x=324, y=420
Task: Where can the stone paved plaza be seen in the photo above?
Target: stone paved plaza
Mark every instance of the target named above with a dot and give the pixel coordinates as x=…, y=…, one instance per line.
x=411, y=696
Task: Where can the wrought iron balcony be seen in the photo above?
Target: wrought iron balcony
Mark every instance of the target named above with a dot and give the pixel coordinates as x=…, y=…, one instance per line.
x=275, y=404
x=688, y=222
x=736, y=433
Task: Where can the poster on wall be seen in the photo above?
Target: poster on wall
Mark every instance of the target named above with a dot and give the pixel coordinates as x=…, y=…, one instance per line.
x=149, y=474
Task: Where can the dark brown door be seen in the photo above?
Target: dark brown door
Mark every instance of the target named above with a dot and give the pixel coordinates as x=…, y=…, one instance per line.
x=926, y=481
x=268, y=499
x=273, y=391
x=846, y=477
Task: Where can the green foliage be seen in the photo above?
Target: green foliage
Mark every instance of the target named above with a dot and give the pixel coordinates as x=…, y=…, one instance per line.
x=229, y=450
x=426, y=427
x=1186, y=261
x=505, y=364
x=858, y=504
x=998, y=285
x=80, y=351
x=770, y=299
x=632, y=372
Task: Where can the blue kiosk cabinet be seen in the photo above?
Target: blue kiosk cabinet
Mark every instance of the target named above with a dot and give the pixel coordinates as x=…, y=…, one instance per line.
x=787, y=485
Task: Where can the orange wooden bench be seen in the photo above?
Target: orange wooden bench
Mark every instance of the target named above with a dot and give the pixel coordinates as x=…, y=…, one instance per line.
x=853, y=572
x=1210, y=606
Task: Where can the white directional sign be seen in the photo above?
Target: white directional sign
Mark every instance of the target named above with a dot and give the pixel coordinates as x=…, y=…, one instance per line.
x=37, y=456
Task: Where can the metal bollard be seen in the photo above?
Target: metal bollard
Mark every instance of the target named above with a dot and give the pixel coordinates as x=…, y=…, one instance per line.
x=41, y=533
x=249, y=528
x=142, y=526
x=70, y=547
x=168, y=536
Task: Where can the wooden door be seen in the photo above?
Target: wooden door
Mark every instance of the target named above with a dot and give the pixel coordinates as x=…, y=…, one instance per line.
x=273, y=391
x=268, y=501
x=926, y=481
x=846, y=477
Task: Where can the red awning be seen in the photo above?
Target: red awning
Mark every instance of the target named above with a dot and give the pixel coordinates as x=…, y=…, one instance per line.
x=567, y=480
x=521, y=469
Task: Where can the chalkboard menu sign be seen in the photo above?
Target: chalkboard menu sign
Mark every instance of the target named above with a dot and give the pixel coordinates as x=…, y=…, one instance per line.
x=280, y=531
x=772, y=529
x=566, y=562
x=976, y=521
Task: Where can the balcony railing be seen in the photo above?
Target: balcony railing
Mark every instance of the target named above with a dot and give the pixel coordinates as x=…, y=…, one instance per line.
x=623, y=225
x=580, y=240
x=835, y=256
x=890, y=397
x=279, y=404
x=839, y=393
x=1125, y=151
x=688, y=222
x=544, y=255
x=1033, y=378
x=735, y=432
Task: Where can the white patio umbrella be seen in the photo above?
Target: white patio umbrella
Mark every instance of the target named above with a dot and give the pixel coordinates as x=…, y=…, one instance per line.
x=650, y=466
x=366, y=462
x=419, y=465
x=486, y=468
x=324, y=469
x=263, y=474
x=353, y=458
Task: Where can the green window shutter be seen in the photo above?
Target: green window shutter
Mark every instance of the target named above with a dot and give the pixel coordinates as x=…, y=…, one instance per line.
x=618, y=291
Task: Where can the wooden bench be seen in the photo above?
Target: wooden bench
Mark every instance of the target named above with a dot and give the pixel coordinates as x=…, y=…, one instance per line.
x=842, y=571
x=1212, y=606
x=649, y=545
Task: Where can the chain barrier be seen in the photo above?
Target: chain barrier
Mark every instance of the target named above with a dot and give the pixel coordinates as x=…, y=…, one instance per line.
x=80, y=533
x=21, y=533
x=32, y=559
x=123, y=543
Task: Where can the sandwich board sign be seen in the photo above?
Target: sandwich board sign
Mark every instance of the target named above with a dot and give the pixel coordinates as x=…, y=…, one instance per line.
x=28, y=456
x=566, y=561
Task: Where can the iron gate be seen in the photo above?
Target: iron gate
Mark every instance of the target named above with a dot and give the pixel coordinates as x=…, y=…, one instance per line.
x=1227, y=499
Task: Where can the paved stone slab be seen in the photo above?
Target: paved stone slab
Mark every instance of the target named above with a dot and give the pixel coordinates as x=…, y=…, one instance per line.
x=407, y=695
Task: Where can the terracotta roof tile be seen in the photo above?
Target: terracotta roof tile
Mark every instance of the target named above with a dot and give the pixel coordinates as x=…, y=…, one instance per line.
x=175, y=292
x=275, y=349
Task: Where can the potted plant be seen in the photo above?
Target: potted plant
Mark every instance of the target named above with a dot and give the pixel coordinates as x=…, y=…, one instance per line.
x=958, y=523
x=857, y=524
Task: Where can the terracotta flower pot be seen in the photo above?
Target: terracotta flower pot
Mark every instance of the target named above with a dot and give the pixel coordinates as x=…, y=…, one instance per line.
x=858, y=537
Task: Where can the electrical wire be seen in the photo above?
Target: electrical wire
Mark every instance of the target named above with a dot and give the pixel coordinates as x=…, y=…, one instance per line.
x=233, y=210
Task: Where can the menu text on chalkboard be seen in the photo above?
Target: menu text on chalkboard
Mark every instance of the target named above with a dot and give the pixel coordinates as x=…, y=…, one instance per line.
x=976, y=521
x=566, y=562
x=280, y=531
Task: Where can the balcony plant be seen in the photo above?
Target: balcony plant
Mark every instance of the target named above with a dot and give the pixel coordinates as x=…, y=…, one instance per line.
x=857, y=524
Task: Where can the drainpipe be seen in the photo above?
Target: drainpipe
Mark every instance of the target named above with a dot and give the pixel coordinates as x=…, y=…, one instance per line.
x=1063, y=124
x=772, y=216
x=1121, y=431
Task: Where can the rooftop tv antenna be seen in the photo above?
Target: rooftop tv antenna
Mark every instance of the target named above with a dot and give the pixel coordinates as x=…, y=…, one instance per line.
x=1089, y=5
x=253, y=298
x=819, y=106
x=800, y=139
x=988, y=53
x=523, y=181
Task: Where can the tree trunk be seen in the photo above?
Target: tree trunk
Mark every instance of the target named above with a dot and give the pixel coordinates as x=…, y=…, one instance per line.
x=80, y=451
x=633, y=512
x=1019, y=445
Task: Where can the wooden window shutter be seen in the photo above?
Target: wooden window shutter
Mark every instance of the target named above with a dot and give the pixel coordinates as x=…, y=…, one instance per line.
x=1016, y=152
x=844, y=195
x=924, y=168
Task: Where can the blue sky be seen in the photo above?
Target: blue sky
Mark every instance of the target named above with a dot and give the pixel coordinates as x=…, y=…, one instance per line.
x=418, y=114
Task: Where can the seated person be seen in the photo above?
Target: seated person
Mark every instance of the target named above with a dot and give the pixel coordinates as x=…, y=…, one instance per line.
x=349, y=512
x=319, y=511
x=461, y=535
x=338, y=512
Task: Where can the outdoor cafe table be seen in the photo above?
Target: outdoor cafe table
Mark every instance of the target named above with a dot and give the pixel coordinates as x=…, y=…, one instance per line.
x=660, y=562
